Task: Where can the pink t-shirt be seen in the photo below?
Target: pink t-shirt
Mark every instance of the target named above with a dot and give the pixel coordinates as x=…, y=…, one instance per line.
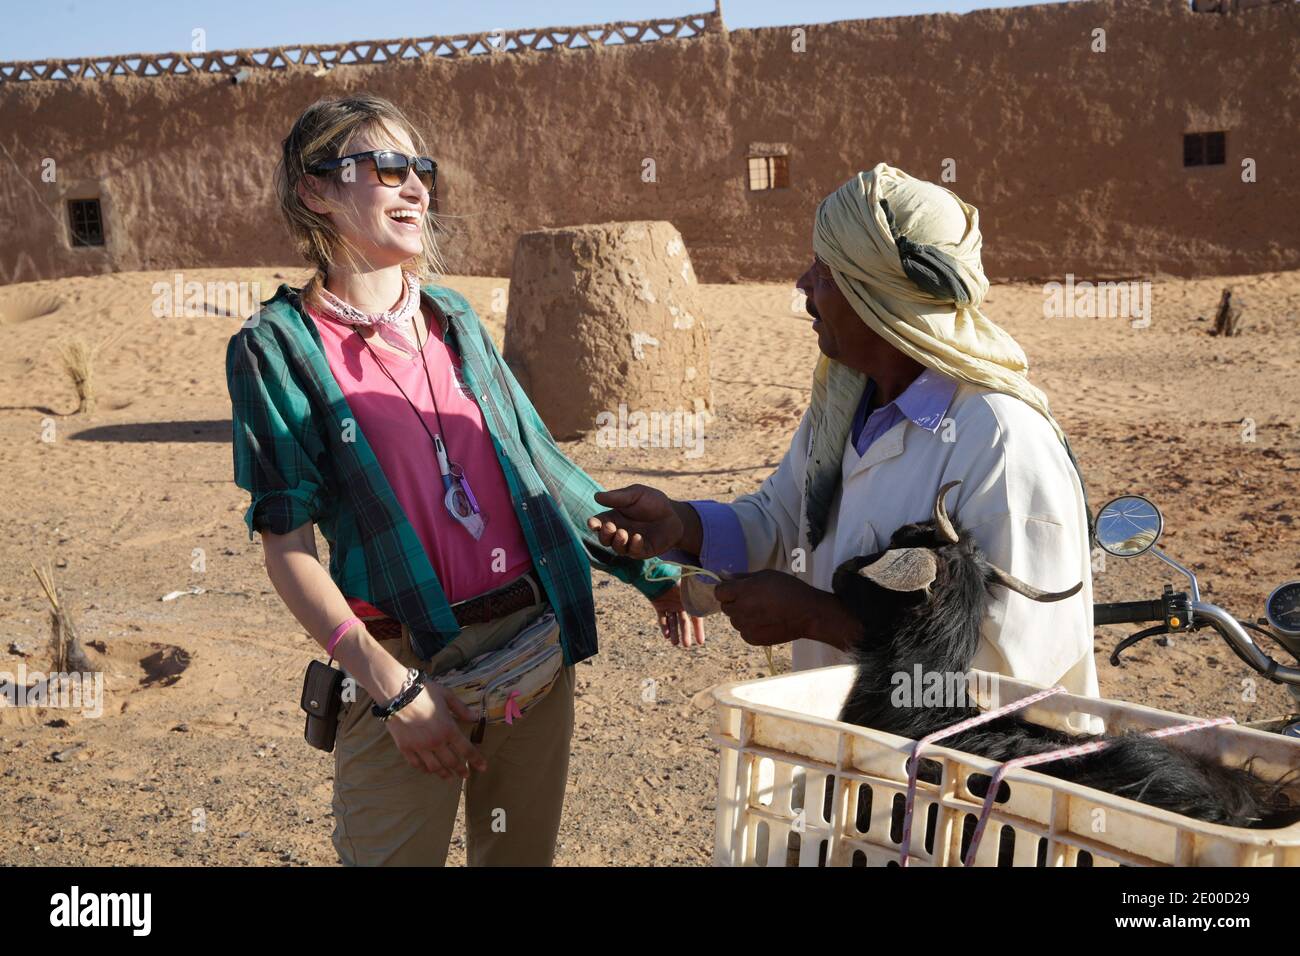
x=465, y=567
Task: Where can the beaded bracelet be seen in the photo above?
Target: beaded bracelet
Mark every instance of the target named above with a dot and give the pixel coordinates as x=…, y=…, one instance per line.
x=411, y=688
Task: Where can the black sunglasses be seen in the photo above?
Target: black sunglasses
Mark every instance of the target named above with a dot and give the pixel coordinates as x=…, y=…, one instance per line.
x=391, y=167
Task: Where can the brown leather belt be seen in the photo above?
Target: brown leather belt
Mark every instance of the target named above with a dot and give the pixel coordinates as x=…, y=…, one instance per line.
x=524, y=591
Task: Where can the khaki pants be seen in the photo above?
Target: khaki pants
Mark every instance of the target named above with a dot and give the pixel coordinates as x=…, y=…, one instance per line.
x=389, y=814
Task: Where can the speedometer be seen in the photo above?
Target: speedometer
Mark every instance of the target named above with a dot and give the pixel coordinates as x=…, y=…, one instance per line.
x=1283, y=608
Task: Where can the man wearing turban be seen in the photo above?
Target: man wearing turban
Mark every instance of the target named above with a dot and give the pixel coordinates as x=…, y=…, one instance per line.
x=915, y=388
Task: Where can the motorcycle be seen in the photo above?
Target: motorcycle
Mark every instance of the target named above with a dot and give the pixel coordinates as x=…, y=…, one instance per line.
x=1129, y=526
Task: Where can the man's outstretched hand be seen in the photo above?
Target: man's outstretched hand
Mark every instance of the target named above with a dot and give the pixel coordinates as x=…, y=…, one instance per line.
x=642, y=522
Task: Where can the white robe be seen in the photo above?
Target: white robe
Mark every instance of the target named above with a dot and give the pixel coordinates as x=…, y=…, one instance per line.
x=1020, y=497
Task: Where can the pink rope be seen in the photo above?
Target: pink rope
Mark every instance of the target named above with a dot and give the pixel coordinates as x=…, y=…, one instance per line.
x=915, y=760
x=1075, y=751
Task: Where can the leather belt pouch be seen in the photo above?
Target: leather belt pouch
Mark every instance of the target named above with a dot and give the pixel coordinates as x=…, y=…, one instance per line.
x=322, y=699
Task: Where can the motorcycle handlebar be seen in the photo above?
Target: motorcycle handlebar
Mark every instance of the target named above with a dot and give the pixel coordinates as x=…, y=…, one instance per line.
x=1142, y=612
x=1128, y=612
x=1230, y=630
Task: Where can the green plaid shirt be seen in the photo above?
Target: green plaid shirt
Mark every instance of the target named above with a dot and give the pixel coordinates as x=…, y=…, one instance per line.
x=300, y=455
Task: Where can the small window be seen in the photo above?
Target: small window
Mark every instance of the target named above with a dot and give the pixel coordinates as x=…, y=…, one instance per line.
x=1216, y=149
x=769, y=172
x=87, y=223
x=1205, y=149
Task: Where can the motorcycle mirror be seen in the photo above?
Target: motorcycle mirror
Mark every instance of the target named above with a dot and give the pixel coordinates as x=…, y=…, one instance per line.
x=1129, y=525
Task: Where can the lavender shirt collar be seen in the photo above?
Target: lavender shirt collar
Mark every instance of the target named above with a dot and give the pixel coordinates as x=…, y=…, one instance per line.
x=924, y=403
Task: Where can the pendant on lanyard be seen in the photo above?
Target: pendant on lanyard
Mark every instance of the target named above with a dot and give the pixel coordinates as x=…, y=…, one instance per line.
x=459, y=500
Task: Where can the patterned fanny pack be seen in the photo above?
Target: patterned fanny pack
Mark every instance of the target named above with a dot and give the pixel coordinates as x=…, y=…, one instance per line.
x=503, y=684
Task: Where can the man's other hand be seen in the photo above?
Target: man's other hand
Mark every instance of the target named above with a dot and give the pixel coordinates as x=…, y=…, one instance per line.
x=772, y=607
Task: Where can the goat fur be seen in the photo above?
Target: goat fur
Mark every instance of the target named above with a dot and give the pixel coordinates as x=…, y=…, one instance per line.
x=938, y=628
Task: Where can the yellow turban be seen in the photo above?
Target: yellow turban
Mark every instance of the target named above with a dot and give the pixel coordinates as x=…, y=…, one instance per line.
x=906, y=255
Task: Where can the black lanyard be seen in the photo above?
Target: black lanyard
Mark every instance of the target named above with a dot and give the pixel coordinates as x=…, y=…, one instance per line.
x=442, y=430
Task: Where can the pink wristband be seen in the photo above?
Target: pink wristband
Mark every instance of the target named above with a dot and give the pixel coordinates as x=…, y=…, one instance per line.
x=339, y=632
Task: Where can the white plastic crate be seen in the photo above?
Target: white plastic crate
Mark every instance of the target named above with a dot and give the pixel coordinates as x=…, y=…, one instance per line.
x=796, y=787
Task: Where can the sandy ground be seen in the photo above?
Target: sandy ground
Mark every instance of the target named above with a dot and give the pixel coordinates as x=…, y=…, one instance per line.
x=202, y=719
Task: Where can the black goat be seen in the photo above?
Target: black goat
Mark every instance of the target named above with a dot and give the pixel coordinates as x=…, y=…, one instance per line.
x=922, y=602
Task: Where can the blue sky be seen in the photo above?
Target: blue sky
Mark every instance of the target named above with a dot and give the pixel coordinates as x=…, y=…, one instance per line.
x=43, y=29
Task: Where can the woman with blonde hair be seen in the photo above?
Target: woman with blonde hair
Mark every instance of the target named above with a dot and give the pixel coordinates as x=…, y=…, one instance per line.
x=373, y=404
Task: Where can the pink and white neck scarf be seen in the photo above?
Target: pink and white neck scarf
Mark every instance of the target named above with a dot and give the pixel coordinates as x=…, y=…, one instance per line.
x=392, y=326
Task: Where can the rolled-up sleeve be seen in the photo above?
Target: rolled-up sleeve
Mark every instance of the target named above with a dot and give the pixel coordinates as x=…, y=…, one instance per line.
x=274, y=450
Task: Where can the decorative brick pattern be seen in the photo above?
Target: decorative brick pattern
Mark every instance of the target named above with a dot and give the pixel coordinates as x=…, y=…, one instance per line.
x=328, y=56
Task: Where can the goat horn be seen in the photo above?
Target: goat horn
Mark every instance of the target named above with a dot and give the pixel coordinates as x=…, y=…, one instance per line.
x=941, y=513
x=1028, y=590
